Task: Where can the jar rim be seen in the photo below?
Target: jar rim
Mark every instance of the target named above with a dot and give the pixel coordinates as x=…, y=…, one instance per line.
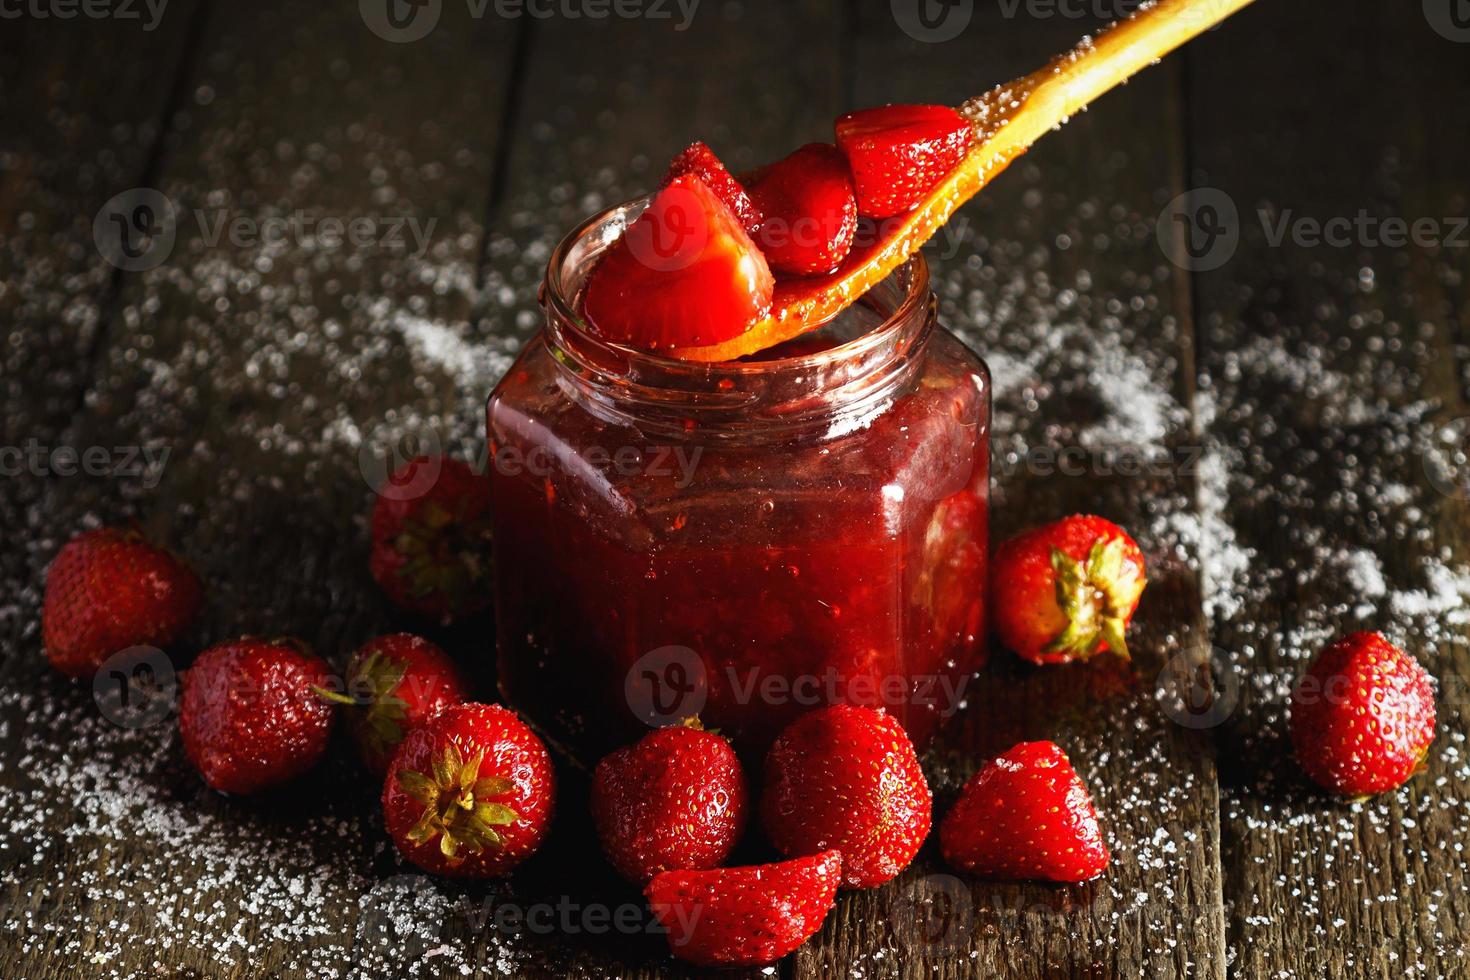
x=559, y=300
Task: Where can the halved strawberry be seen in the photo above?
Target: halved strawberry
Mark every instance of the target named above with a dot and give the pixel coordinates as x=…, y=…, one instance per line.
x=810, y=212
x=899, y=152
x=700, y=161
x=744, y=916
x=684, y=274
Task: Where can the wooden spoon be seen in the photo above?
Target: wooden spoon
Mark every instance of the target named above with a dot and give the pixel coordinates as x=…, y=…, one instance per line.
x=1007, y=120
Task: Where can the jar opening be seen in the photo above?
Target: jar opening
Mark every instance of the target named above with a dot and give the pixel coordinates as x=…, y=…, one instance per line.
x=860, y=354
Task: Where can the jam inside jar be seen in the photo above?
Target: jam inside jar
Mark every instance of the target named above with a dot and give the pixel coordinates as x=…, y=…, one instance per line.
x=741, y=541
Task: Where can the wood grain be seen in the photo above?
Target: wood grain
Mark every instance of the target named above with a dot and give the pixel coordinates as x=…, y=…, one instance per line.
x=1333, y=367
x=285, y=108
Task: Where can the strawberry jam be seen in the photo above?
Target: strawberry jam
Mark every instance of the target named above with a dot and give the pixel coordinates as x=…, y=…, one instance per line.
x=742, y=541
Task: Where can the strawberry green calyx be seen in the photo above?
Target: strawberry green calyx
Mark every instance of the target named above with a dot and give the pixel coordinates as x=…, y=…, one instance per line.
x=376, y=680
x=459, y=806
x=443, y=556
x=1096, y=597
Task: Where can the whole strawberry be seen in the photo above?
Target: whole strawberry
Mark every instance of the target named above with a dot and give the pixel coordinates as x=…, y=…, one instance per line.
x=1362, y=716
x=699, y=160
x=109, y=590
x=847, y=777
x=249, y=715
x=470, y=793
x=395, y=683
x=1066, y=591
x=431, y=538
x=674, y=800
x=746, y=916
x=1025, y=815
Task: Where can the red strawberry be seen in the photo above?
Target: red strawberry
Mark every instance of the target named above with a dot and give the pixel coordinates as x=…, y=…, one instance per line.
x=109, y=590
x=431, y=538
x=899, y=152
x=470, y=793
x=745, y=916
x=1025, y=815
x=1362, y=716
x=395, y=683
x=1067, y=590
x=249, y=716
x=846, y=777
x=700, y=161
x=685, y=274
x=809, y=208
x=674, y=800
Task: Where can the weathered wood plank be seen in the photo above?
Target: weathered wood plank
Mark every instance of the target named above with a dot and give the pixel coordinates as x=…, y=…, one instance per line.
x=1334, y=372
x=72, y=138
x=258, y=353
x=1058, y=282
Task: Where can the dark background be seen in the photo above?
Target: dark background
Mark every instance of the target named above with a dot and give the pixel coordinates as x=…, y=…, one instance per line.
x=1277, y=419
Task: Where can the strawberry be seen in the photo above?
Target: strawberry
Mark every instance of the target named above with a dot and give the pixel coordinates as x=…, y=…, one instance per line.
x=675, y=800
x=899, y=152
x=746, y=916
x=1362, y=716
x=847, y=777
x=249, y=716
x=470, y=793
x=700, y=161
x=1026, y=815
x=1066, y=591
x=684, y=274
x=109, y=590
x=809, y=208
x=431, y=539
x=395, y=683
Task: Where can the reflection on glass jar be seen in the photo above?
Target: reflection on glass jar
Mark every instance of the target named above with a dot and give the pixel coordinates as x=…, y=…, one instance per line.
x=745, y=540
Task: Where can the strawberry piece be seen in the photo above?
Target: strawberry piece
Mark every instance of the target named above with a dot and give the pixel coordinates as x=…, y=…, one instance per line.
x=746, y=916
x=394, y=684
x=700, y=161
x=431, y=538
x=249, y=714
x=470, y=793
x=675, y=800
x=1362, y=716
x=809, y=208
x=1066, y=591
x=685, y=273
x=898, y=153
x=847, y=777
x=109, y=590
x=1025, y=815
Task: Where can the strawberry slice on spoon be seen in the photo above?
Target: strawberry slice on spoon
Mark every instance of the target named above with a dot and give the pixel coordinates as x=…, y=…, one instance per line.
x=809, y=210
x=1005, y=121
x=684, y=274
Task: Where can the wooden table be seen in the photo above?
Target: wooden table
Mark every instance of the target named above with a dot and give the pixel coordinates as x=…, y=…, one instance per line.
x=1275, y=419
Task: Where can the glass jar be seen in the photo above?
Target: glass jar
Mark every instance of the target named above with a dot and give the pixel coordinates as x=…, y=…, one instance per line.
x=743, y=540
